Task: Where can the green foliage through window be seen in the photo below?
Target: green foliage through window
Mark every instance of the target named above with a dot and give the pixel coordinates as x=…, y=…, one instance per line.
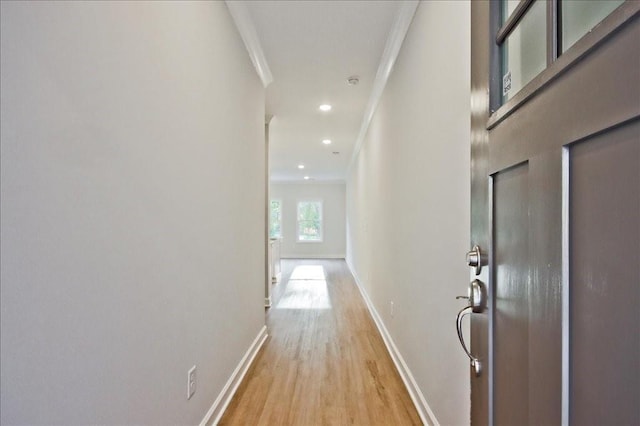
x=309, y=221
x=275, y=221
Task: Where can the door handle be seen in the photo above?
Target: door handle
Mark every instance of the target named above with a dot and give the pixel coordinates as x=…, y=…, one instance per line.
x=477, y=303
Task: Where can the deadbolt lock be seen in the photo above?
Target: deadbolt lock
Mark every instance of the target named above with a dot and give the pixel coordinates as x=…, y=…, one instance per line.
x=476, y=259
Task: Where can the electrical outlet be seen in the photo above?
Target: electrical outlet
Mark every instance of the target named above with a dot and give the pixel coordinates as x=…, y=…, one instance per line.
x=392, y=309
x=191, y=382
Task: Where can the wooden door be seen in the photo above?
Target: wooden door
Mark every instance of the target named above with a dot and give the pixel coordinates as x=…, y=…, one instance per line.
x=555, y=201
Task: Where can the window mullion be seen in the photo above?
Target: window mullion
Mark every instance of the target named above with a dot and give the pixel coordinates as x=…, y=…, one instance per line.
x=552, y=30
x=513, y=20
x=495, y=84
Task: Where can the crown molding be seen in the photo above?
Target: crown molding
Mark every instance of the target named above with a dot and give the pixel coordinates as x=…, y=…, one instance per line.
x=387, y=61
x=247, y=30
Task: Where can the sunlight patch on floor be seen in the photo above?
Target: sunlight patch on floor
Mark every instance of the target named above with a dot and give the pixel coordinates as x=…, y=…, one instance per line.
x=308, y=272
x=306, y=289
x=305, y=294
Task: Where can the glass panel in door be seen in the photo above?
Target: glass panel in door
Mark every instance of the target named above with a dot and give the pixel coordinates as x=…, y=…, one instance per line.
x=580, y=16
x=524, y=53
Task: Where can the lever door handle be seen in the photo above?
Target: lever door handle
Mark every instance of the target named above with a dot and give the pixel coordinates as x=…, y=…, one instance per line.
x=475, y=362
x=477, y=303
x=477, y=296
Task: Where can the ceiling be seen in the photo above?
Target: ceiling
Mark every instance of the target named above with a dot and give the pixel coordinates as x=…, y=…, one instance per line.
x=310, y=49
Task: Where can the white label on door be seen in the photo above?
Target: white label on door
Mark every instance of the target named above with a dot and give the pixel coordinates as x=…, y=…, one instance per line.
x=506, y=83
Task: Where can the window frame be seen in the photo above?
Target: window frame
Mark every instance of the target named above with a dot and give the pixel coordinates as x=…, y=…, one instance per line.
x=558, y=62
x=321, y=225
x=279, y=200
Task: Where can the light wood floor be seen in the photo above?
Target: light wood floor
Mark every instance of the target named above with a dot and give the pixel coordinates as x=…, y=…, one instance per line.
x=325, y=362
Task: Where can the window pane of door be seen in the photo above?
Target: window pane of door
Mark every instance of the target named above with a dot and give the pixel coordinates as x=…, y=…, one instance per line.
x=580, y=16
x=508, y=6
x=524, y=52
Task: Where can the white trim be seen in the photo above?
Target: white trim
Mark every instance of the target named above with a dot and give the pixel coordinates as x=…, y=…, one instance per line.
x=565, y=286
x=388, y=60
x=247, y=30
x=424, y=411
x=224, y=398
x=490, y=302
x=313, y=256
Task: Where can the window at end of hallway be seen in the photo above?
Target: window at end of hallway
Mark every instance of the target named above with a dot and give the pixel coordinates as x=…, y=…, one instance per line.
x=309, y=221
x=275, y=219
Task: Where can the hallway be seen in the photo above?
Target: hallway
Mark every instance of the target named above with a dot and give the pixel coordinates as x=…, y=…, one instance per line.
x=324, y=362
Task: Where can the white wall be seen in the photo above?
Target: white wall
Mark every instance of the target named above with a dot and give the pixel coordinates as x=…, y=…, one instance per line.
x=334, y=218
x=408, y=204
x=127, y=255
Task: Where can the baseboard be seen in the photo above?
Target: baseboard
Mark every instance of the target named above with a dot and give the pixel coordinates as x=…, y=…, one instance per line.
x=222, y=401
x=313, y=256
x=424, y=411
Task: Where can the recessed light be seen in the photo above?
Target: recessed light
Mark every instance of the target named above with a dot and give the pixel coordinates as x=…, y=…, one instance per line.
x=307, y=178
x=301, y=166
x=326, y=141
x=325, y=107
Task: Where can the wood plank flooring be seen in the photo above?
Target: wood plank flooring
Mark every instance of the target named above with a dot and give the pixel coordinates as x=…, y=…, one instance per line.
x=324, y=362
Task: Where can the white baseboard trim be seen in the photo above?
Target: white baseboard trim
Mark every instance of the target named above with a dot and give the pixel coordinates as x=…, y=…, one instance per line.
x=313, y=256
x=222, y=401
x=424, y=411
